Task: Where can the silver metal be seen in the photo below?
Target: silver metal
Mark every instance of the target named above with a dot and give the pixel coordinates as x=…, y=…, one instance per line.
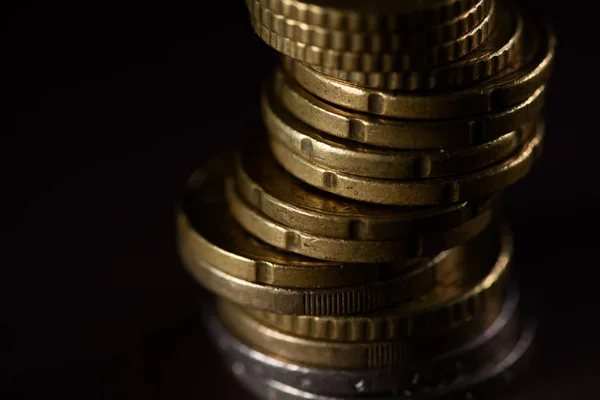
x=489, y=383
x=492, y=346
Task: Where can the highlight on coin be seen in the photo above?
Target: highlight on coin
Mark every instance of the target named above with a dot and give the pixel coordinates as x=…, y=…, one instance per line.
x=354, y=239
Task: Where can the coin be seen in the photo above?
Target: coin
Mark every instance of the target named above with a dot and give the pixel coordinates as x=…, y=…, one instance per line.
x=448, y=368
x=264, y=184
x=372, y=16
x=207, y=230
x=498, y=51
x=334, y=301
x=369, y=42
x=511, y=86
x=425, y=57
x=236, y=266
x=496, y=377
x=354, y=355
x=489, y=381
x=373, y=162
x=414, y=192
x=345, y=250
x=477, y=291
x=403, y=134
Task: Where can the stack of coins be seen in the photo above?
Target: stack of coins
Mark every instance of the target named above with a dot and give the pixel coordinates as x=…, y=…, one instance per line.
x=355, y=240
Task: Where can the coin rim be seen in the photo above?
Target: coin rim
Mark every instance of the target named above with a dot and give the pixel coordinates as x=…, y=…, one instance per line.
x=492, y=95
x=373, y=162
x=405, y=134
x=378, y=62
x=414, y=192
x=438, y=318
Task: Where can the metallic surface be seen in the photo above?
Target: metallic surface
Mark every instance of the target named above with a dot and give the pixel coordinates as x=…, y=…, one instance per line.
x=356, y=159
x=370, y=42
x=244, y=270
x=207, y=230
x=347, y=250
x=498, y=51
x=488, y=383
x=459, y=296
x=427, y=57
x=354, y=238
x=403, y=134
x=372, y=16
x=509, y=87
x=336, y=301
x=264, y=184
x=499, y=338
x=259, y=366
x=414, y=192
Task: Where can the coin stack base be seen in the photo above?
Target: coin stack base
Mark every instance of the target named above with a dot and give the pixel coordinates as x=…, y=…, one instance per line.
x=355, y=238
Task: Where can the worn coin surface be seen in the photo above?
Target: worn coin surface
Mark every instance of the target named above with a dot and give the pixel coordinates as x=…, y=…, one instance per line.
x=348, y=250
x=259, y=365
x=374, y=162
x=358, y=355
x=490, y=381
x=460, y=296
x=414, y=192
x=207, y=230
x=512, y=85
x=232, y=264
x=264, y=184
x=403, y=134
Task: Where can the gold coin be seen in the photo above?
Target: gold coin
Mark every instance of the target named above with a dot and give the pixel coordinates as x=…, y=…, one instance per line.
x=373, y=162
x=403, y=134
x=414, y=192
x=498, y=51
x=344, y=250
x=334, y=354
x=455, y=30
x=207, y=229
x=371, y=16
x=264, y=184
x=230, y=263
x=511, y=86
x=449, y=365
x=334, y=301
x=476, y=291
x=424, y=57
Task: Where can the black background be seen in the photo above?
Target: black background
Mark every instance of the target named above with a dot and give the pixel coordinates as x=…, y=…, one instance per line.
x=106, y=108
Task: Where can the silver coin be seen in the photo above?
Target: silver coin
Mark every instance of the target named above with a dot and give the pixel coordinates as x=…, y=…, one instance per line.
x=494, y=344
x=489, y=383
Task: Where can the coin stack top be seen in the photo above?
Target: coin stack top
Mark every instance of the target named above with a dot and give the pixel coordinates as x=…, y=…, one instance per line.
x=356, y=230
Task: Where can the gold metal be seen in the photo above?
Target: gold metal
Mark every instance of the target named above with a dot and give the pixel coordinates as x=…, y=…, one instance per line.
x=297, y=301
x=356, y=227
x=418, y=357
x=345, y=250
x=231, y=263
x=509, y=87
x=370, y=16
x=403, y=134
x=437, y=36
x=498, y=51
x=264, y=184
x=208, y=231
x=378, y=62
x=469, y=298
x=414, y=192
x=373, y=162
x=379, y=353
